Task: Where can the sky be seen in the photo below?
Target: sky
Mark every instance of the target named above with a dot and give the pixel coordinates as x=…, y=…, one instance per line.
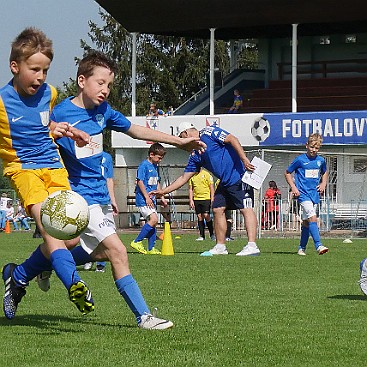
x=65, y=22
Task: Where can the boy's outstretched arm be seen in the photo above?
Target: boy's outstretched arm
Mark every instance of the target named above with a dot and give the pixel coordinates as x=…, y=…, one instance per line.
x=174, y=185
x=144, y=133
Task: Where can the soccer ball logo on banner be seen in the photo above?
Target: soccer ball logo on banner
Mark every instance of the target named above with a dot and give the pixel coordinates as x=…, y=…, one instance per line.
x=260, y=129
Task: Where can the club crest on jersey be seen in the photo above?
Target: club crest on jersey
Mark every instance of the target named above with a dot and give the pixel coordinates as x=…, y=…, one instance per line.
x=100, y=119
x=45, y=117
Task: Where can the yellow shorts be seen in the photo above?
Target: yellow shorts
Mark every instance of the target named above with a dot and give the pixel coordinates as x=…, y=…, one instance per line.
x=35, y=185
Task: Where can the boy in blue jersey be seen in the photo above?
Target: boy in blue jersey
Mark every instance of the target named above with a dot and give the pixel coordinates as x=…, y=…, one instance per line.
x=147, y=179
x=32, y=163
x=224, y=158
x=310, y=179
x=90, y=112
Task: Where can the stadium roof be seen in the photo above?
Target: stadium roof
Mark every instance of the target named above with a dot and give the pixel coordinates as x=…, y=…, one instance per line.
x=239, y=19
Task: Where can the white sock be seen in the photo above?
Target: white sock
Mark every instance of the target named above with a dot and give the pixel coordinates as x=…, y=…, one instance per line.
x=220, y=246
x=252, y=244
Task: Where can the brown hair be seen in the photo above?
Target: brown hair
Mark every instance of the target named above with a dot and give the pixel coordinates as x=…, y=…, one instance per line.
x=29, y=42
x=92, y=60
x=157, y=149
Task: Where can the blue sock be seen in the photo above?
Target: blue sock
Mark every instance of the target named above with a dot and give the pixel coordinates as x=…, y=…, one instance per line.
x=144, y=232
x=80, y=256
x=101, y=263
x=305, y=233
x=152, y=238
x=315, y=234
x=64, y=266
x=31, y=267
x=130, y=291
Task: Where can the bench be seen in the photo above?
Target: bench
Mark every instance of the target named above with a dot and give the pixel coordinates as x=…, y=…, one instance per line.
x=349, y=216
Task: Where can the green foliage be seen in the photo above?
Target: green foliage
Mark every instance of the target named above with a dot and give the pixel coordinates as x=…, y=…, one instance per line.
x=169, y=69
x=277, y=309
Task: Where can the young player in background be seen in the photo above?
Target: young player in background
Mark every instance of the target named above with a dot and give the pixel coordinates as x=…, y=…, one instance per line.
x=310, y=179
x=147, y=179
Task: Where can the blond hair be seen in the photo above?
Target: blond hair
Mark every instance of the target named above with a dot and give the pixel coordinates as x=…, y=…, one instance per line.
x=315, y=138
x=29, y=42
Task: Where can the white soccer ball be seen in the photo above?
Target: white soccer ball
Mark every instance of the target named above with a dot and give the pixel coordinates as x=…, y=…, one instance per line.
x=64, y=214
x=260, y=129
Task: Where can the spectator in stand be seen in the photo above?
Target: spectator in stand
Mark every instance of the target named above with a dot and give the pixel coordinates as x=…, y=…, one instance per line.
x=154, y=111
x=10, y=214
x=21, y=217
x=201, y=194
x=3, y=207
x=271, y=201
x=237, y=102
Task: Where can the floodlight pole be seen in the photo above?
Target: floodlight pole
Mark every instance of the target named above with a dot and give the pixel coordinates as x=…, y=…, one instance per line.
x=211, y=73
x=133, y=75
x=294, y=67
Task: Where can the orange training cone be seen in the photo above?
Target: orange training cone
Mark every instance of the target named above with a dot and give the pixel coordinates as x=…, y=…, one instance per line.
x=167, y=246
x=7, y=227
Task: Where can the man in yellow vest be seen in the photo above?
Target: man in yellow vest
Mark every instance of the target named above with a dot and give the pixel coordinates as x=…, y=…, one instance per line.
x=201, y=193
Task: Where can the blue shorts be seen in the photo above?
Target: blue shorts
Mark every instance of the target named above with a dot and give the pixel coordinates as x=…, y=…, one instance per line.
x=237, y=196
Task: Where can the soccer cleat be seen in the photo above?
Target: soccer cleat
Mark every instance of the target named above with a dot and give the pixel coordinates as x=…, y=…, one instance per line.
x=322, y=250
x=153, y=251
x=88, y=266
x=212, y=237
x=13, y=293
x=200, y=239
x=100, y=268
x=228, y=239
x=150, y=322
x=363, y=276
x=249, y=250
x=43, y=280
x=138, y=246
x=219, y=250
x=81, y=296
x=301, y=252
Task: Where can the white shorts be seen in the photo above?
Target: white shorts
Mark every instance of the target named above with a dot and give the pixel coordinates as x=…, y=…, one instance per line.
x=101, y=225
x=146, y=211
x=308, y=209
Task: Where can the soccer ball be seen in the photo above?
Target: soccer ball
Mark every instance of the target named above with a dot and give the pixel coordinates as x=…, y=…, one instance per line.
x=64, y=214
x=260, y=129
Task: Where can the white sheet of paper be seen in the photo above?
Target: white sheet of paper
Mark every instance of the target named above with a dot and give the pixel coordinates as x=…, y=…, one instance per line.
x=257, y=177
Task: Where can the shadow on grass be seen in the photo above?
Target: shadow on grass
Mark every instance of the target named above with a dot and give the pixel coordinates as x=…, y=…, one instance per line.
x=58, y=324
x=351, y=297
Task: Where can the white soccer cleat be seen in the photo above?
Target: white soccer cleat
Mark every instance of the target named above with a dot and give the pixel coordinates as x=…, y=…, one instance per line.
x=200, y=239
x=43, y=280
x=249, y=250
x=88, y=266
x=322, y=250
x=219, y=250
x=301, y=252
x=150, y=322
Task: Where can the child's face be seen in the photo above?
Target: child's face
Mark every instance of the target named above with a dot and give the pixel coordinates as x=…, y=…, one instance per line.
x=312, y=148
x=96, y=88
x=30, y=74
x=155, y=158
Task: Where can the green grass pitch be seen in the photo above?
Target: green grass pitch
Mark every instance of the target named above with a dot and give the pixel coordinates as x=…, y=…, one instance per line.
x=277, y=309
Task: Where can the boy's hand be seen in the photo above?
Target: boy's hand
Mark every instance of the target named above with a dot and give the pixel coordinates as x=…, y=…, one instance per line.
x=80, y=137
x=60, y=129
x=192, y=143
x=156, y=193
